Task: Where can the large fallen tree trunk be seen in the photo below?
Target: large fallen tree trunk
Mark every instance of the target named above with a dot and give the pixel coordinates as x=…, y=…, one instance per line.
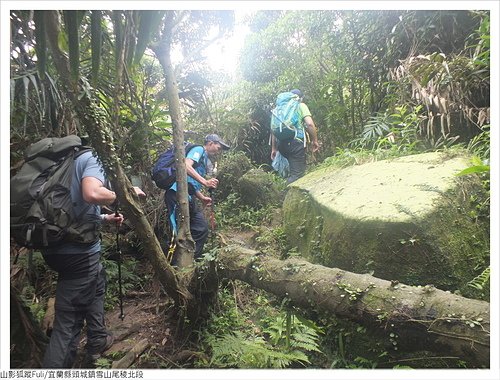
x=427, y=317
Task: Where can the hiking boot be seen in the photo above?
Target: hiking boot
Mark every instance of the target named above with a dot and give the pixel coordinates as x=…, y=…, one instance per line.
x=93, y=356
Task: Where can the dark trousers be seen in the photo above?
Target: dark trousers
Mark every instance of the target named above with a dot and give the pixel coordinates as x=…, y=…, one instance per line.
x=197, y=221
x=295, y=152
x=77, y=300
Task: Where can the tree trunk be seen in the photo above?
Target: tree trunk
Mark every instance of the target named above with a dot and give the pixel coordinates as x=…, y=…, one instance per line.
x=100, y=133
x=185, y=244
x=426, y=317
x=27, y=340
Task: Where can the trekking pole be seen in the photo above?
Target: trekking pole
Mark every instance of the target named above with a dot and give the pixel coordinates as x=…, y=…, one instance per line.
x=119, y=251
x=211, y=193
x=212, y=210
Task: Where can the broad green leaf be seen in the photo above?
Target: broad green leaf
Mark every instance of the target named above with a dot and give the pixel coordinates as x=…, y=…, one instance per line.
x=474, y=169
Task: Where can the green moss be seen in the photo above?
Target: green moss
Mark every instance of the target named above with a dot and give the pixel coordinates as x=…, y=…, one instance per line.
x=463, y=240
x=421, y=233
x=258, y=188
x=230, y=169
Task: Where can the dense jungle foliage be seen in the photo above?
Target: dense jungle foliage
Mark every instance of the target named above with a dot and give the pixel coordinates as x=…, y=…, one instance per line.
x=378, y=83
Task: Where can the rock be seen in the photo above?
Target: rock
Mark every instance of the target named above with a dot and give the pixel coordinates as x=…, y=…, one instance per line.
x=403, y=219
x=258, y=188
x=230, y=170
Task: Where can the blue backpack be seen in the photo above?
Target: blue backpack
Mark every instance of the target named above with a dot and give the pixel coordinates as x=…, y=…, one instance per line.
x=164, y=173
x=285, y=116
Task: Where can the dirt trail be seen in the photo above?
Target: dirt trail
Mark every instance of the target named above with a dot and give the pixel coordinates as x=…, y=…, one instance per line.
x=147, y=318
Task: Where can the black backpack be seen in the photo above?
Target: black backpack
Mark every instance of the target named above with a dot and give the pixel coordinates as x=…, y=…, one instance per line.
x=163, y=172
x=41, y=209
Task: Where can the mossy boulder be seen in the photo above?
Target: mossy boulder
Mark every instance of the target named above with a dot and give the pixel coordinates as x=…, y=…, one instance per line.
x=230, y=169
x=258, y=188
x=405, y=219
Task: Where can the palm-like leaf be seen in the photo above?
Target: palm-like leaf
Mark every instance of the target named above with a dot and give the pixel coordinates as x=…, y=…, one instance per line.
x=149, y=22
x=40, y=46
x=71, y=24
x=96, y=35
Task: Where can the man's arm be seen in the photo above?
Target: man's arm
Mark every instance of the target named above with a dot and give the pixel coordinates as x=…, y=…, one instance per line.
x=274, y=148
x=207, y=201
x=312, y=132
x=94, y=192
x=191, y=171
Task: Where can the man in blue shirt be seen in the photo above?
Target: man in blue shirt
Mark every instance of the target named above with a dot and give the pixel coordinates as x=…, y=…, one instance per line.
x=197, y=161
x=81, y=282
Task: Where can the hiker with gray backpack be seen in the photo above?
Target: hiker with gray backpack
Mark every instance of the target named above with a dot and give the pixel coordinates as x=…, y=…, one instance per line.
x=292, y=127
x=55, y=208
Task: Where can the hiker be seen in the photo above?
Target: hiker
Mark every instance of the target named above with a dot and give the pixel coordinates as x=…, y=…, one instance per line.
x=294, y=149
x=197, y=161
x=81, y=280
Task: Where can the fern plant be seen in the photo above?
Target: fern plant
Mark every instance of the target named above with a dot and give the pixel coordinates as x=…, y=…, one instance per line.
x=257, y=337
x=397, y=130
x=479, y=282
x=293, y=333
x=235, y=350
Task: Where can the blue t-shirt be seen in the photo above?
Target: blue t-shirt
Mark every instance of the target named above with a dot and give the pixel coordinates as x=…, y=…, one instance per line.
x=86, y=165
x=198, y=155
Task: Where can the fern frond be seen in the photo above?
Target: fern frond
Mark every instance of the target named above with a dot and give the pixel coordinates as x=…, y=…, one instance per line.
x=305, y=340
x=234, y=350
x=304, y=334
x=480, y=281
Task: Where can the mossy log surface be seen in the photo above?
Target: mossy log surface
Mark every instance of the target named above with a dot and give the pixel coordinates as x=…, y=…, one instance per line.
x=435, y=320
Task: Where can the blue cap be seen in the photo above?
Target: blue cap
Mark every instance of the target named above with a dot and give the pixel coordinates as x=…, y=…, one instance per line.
x=297, y=92
x=215, y=138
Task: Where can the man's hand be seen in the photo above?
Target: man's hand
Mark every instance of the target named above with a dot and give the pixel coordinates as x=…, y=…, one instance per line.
x=315, y=146
x=139, y=192
x=274, y=152
x=212, y=183
x=113, y=218
x=207, y=201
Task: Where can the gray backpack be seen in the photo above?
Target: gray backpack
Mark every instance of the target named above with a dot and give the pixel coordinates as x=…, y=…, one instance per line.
x=41, y=209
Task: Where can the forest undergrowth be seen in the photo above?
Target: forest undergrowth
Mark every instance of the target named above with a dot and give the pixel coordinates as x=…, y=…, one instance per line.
x=246, y=327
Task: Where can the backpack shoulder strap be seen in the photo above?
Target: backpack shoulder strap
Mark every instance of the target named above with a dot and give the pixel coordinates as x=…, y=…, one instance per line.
x=189, y=147
x=82, y=150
